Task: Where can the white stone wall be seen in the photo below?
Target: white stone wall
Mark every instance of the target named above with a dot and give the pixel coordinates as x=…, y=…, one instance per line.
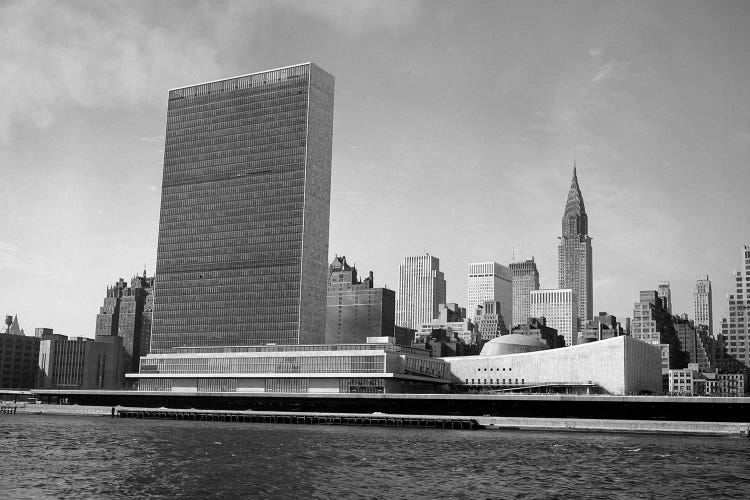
x=621, y=366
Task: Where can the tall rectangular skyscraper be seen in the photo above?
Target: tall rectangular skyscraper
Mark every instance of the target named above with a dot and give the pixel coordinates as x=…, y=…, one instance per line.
x=525, y=280
x=703, y=304
x=735, y=329
x=558, y=307
x=243, y=231
x=490, y=282
x=421, y=289
x=575, y=269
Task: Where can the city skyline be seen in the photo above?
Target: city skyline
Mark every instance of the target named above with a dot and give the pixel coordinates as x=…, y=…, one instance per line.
x=661, y=164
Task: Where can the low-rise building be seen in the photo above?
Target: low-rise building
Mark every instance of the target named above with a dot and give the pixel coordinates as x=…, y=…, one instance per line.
x=620, y=365
x=18, y=358
x=378, y=366
x=81, y=363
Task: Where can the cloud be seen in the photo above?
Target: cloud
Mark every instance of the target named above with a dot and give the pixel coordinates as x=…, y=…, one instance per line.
x=358, y=16
x=608, y=71
x=595, y=51
x=58, y=55
x=12, y=258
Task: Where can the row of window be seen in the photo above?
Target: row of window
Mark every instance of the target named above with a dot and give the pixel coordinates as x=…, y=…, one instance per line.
x=179, y=107
x=269, y=364
x=282, y=112
x=210, y=240
x=283, y=175
x=257, y=145
x=196, y=218
x=249, y=107
x=286, y=190
x=254, y=153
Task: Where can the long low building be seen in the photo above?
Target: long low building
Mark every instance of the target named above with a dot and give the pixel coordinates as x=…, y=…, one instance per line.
x=380, y=366
x=619, y=366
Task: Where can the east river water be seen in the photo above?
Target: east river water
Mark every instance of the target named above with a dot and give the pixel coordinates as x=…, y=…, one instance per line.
x=97, y=457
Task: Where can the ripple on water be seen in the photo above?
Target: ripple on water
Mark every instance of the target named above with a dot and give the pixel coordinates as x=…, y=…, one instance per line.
x=59, y=457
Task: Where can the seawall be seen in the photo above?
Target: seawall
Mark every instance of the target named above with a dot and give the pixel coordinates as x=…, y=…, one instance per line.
x=662, y=427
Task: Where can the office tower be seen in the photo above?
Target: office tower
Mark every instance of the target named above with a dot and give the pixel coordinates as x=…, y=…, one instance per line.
x=525, y=279
x=645, y=315
x=490, y=323
x=126, y=313
x=243, y=231
x=735, y=329
x=558, y=308
x=665, y=295
x=19, y=356
x=421, y=289
x=703, y=305
x=490, y=282
x=356, y=309
x=574, y=253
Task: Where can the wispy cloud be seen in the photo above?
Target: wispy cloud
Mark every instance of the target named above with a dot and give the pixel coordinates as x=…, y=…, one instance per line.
x=358, y=16
x=13, y=258
x=62, y=55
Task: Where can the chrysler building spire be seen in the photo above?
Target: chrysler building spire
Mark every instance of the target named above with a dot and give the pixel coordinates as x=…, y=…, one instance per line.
x=574, y=252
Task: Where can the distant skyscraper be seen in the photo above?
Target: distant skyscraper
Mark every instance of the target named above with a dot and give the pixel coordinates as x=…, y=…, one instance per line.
x=665, y=295
x=490, y=282
x=648, y=323
x=243, y=233
x=126, y=313
x=421, y=290
x=735, y=329
x=558, y=308
x=574, y=253
x=703, y=304
x=525, y=279
x=356, y=309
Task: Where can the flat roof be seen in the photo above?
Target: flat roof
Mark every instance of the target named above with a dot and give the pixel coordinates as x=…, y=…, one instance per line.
x=241, y=76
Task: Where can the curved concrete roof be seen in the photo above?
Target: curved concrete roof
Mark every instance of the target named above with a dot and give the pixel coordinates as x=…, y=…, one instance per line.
x=512, y=344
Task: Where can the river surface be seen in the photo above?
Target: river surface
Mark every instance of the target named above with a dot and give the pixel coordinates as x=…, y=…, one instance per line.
x=97, y=457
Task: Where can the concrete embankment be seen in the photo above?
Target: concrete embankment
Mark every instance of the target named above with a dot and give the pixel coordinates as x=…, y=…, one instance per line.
x=47, y=409
x=617, y=426
x=663, y=427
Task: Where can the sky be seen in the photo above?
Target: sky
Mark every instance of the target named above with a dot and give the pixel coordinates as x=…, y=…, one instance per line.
x=455, y=129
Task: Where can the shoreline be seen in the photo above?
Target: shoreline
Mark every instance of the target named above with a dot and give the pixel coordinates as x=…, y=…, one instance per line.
x=658, y=427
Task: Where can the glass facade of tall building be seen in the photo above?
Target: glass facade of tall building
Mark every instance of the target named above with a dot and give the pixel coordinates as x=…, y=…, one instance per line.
x=243, y=230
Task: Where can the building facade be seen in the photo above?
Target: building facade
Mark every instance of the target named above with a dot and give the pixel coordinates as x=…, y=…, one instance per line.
x=356, y=309
x=421, y=290
x=735, y=329
x=575, y=269
x=620, y=365
x=665, y=295
x=243, y=231
x=558, y=308
x=379, y=366
x=18, y=359
x=703, y=304
x=81, y=363
x=126, y=313
x=490, y=282
x=525, y=279
x=490, y=323
x=645, y=325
